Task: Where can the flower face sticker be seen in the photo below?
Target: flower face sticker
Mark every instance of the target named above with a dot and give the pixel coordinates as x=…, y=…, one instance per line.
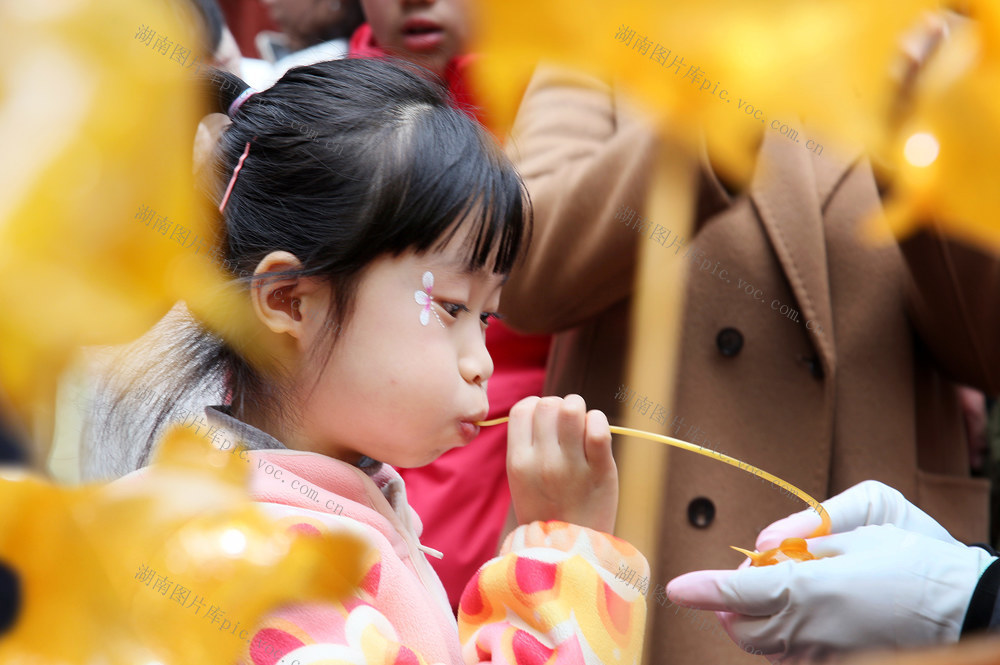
x=425, y=298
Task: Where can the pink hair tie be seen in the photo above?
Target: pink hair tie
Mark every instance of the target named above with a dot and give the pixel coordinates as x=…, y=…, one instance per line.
x=236, y=172
x=238, y=102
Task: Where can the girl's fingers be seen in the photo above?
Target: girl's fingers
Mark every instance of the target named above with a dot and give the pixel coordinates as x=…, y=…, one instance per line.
x=546, y=441
x=521, y=425
x=597, y=441
x=571, y=426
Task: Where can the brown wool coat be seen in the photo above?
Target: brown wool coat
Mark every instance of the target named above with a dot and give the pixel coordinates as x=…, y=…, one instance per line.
x=872, y=396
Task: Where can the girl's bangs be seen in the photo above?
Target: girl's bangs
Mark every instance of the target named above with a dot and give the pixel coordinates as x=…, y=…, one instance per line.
x=452, y=178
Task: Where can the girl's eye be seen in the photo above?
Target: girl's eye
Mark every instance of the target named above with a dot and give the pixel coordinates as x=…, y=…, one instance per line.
x=485, y=317
x=452, y=308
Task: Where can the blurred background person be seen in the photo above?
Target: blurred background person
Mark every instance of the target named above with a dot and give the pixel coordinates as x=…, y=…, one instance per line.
x=431, y=33
x=218, y=46
x=246, y=19
x=311, y=31
x=856, y=378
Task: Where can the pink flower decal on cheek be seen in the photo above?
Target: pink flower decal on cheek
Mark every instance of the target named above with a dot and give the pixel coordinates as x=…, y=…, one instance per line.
x=426, y=299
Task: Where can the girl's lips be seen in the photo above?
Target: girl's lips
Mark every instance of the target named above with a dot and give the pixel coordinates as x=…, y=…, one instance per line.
x=468, y=430
x=421, y=35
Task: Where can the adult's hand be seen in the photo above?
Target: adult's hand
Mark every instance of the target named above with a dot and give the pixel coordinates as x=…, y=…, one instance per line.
x=889, y=576
x=866, y=504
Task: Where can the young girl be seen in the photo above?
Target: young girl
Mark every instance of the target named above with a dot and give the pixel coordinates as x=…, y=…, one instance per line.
x=373, y=258
x=465, y=516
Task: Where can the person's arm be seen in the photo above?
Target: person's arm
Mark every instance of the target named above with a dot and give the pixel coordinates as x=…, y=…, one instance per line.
x=583, y=157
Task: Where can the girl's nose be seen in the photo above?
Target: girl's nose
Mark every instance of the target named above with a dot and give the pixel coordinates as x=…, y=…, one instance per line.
x=475, y=364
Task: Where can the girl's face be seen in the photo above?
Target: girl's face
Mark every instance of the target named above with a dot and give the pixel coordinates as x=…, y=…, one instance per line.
x=406, y=381
x=426, y=32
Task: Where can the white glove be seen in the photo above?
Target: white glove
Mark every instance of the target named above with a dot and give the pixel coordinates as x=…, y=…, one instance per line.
x=884, y=586
x=867, y=503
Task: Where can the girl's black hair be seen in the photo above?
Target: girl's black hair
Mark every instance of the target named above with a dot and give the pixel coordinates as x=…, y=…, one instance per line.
x=349, y=160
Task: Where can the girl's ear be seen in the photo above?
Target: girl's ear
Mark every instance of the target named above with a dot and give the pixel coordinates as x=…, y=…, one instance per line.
x=278, y=301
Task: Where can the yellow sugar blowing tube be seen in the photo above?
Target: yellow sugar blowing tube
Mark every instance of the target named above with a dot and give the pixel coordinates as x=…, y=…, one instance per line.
x=790, y=548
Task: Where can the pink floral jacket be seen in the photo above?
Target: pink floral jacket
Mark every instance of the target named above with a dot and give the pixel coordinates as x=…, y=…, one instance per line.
x=550, y=597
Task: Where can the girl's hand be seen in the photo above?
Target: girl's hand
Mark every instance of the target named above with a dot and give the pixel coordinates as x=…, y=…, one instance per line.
x=559, y=463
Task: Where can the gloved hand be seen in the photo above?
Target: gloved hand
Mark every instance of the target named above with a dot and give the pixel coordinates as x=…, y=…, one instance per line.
x=867, y=503
x=894, y=578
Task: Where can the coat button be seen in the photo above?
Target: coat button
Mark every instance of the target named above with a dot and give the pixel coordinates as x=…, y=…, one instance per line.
x=701, y=512
x=729, y=341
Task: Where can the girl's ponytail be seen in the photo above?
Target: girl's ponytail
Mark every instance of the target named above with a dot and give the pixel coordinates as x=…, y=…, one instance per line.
x=223, y=89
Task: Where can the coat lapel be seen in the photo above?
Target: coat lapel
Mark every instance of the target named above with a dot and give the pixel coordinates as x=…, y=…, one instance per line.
x=788, y=188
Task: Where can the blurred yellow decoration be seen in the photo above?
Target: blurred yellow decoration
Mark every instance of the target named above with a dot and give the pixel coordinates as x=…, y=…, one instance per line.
x=733, y=67
x=764, y=66
x=82, y=556
x=945, y=158
x=96, y=127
